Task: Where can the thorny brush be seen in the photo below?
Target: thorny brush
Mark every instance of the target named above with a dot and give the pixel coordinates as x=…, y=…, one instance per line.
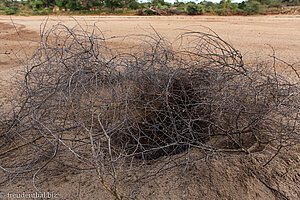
x=86, y=102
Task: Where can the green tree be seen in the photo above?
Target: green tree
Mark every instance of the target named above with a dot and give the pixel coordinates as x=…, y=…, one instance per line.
x=113, y=4
x=48, y=3
x=242, y=5
x=234, y=7
x=62, y=4
x=155, y=3
x=179, y=3
x=74, y=5
x=252, y=7
x=36, y=5
x=208, y=4
x=133, y=5
x=97, y=4
x=39, y=4
x=194, y=9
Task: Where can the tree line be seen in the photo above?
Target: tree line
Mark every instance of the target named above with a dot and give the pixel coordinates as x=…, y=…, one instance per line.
x=155, y=7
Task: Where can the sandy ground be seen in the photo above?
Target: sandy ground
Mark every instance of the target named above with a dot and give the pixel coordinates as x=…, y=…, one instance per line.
x=248, y=34
x=216, y=179
x=253, y=36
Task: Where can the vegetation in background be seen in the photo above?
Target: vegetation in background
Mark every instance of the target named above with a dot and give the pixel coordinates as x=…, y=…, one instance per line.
x=155, y=7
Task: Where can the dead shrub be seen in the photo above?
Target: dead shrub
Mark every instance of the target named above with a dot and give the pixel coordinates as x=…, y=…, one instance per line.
x=86, y=104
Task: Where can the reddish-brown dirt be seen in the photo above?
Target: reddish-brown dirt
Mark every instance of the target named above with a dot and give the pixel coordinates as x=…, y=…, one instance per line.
x=215, y=178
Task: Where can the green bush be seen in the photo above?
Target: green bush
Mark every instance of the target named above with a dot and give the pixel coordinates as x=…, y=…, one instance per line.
x=209, y=9
x=155, y=3
x=119, y=11
x=160, y=6
x=10, y=11
x=275, y=4
x=180, y=9
x=179, y=4
x=50, y=9
x=113, y=4
x=73, y=5
x=36, y=5
x=43, y=11
x=133, y=5
x=190, y=3
x=145, y=5
x=208, y=4
x=149, y=12
x=252, y=7
x=62, y=4
x=194, y=9
x=234, y=7
x=219, y=11
x=242, y=5
x=15, y=8
x=167, y=4
x=201, y=9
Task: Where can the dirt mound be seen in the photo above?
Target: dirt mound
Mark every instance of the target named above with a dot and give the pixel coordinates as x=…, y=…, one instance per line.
x=213, y=178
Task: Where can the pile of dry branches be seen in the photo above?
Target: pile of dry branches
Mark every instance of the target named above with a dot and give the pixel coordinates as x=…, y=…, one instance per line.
x=122, y=104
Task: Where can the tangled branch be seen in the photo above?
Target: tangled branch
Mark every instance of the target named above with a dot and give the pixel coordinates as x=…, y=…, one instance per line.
x=139, y=103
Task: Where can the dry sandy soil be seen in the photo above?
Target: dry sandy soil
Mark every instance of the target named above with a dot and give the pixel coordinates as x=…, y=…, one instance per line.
x=253, y=36
x=214, y=179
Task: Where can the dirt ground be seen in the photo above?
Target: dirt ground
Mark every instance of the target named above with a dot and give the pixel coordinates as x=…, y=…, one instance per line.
x=242, y=178
x=253, y=36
